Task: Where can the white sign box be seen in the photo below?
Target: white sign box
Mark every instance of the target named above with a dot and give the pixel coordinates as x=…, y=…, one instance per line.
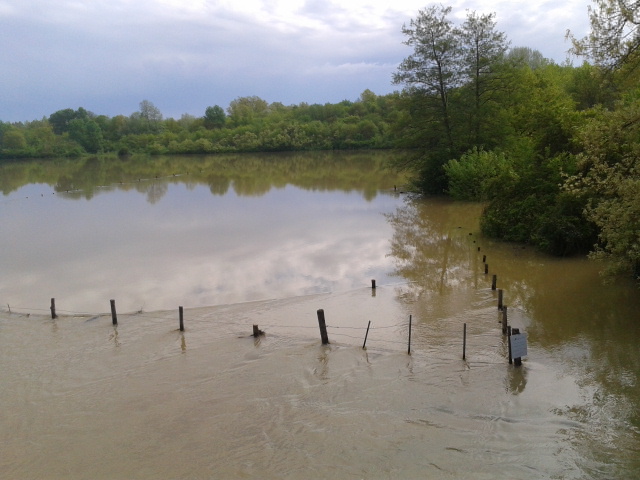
x=518, y=345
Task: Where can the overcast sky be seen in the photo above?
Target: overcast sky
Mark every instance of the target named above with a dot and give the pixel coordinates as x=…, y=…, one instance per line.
x=184, y=55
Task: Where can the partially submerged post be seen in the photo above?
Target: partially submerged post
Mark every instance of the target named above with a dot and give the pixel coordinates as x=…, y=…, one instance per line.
x=409, y=347
x=486, y=268
x=114, y=316
x=504, y=320
x=180, y=312
x=53, y=308
x=373, y=284
x=494, y=282
x=464, y=342
x=500, y=294
x=366, y=335
x=256, y=331
x=509, y=342
x=323, y=327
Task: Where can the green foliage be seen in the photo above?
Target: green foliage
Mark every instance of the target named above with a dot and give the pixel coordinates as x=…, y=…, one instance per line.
x=61, y=120
x=252, y=125
x=214, y=117
x=453, y=88
x=529, y=207
x=473, y=176
x=614, y=40
x=150, y=113
x=14, y=140
x=246, y=110
x=87, y=133
x=609, y=178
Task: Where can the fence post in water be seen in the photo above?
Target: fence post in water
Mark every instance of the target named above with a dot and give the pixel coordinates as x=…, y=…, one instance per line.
x=504, y=320
x=464, y=342
x=114, y=317
x=484, y=259
x=366, y=335
x=373, y=284
x=494, y=281
x=500, y=294
x=486, y=268
x=256, y=331
x=409, y=347
x=509, y=342
x=53, y=308
x=323, y=327
x=180, y=312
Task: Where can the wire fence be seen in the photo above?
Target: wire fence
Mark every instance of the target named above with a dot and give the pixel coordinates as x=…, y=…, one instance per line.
x=350, y=333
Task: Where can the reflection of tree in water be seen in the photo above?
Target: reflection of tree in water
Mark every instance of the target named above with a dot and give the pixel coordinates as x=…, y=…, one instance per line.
x=250, y=174
x=592, y=326
x=218, y=184
x=156, y=190
x=431, y=244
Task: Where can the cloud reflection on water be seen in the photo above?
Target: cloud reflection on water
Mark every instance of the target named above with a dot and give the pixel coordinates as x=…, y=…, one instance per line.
x=192, y=248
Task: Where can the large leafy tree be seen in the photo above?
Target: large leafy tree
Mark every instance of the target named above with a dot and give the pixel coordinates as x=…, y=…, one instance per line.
x=609, y=179
x=609, y=176
x=246, y=110
x=433, y=69
x=451, y=83
x=60, y=120
x=150, y=113
x=87, y=133
x=614, y=41
x=214, y=117
x=483, y=49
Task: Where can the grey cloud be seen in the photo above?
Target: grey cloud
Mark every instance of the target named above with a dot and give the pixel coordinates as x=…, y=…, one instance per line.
x=107, y=56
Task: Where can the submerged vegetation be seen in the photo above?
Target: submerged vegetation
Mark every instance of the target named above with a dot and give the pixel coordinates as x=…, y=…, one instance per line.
x=552, y=149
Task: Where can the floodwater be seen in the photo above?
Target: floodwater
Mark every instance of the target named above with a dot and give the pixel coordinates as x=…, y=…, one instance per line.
x=269, y=240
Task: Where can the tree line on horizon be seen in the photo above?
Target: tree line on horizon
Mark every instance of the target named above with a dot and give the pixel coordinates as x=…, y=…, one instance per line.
x=248, y=124
x=552, y=149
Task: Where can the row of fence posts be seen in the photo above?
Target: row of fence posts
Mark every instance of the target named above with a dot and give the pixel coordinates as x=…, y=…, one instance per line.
x=506, y=329
x=114, y=313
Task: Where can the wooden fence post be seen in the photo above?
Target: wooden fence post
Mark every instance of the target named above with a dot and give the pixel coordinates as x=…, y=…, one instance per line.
x=464, y=342
x=486, y=268
x=366, y=335
x=500, y=294
x=180, y=312
x=114, y=316
x=509, y=342
x=494, y=282
x=504, y=320
x=53, y=308
x=256, y=331
x=373, y=284
x=409, y=347
x=323, y=327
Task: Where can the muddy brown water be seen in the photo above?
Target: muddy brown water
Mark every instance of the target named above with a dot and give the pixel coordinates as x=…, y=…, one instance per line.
x=239, y=245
